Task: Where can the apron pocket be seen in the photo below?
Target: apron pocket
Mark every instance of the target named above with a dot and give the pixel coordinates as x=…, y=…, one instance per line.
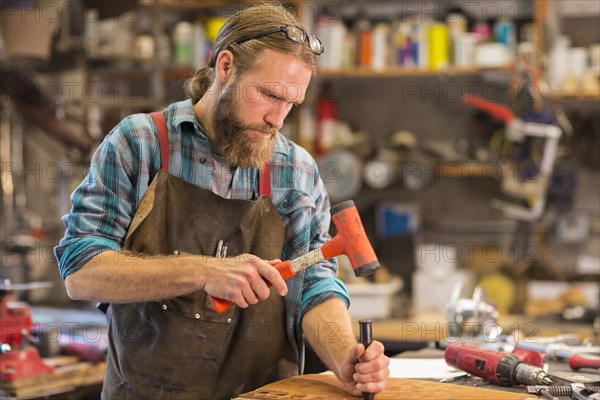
x=196, y=306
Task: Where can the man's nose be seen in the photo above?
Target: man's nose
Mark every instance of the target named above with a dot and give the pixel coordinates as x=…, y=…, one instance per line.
x=276, y=115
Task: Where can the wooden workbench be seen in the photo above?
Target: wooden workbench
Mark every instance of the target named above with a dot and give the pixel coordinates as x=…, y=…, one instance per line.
x=326, y=386
x=71, y=379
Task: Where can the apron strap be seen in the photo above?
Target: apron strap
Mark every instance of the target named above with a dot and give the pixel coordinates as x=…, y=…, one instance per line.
x=163, y=137
x=264, y=185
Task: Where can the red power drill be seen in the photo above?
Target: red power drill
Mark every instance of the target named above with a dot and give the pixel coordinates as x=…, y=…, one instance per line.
x=494, y=366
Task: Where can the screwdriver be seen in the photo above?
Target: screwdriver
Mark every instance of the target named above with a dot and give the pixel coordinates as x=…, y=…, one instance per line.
x=578, y=361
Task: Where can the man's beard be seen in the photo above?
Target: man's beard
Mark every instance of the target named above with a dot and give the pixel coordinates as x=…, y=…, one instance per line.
x=232, y=138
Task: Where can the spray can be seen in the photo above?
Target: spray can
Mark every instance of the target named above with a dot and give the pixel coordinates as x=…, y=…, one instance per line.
x=438, y=47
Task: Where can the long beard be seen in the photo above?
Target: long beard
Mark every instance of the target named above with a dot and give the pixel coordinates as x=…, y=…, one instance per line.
x=234, y=143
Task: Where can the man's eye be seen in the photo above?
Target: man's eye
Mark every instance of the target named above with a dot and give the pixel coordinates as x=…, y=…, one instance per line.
x=270, y=96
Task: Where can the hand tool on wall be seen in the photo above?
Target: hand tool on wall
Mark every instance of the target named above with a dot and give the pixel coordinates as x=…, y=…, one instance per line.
x=366, y=337
x=350, y=240
x=517, y=130
x=494, y=366
x=383, y=170
x=578, y=391
x=342, y=173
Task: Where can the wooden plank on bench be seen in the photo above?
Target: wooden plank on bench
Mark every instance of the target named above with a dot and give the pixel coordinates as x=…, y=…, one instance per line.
x=67, y=377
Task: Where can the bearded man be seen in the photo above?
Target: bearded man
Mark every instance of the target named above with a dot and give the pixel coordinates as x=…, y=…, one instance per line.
x=167, y=193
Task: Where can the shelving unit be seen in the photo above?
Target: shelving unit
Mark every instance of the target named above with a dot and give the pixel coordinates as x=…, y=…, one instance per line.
x=169, y=72
x=404, y=72
x=158, y=73
x=190, y=4
x=578, y=97
x=397, y=76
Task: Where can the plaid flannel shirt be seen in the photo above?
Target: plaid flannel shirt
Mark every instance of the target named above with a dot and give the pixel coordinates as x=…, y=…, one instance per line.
x=125, y=163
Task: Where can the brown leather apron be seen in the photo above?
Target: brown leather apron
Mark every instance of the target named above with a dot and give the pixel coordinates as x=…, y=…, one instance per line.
x=180, y=348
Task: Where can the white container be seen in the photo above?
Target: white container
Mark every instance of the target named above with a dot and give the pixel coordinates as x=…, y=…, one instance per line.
x=558, y=66
x=595, y=58
x=432, y=289
x=578, y=57
x=492, y=55
x=465, y=45
x=438, y=257
x=372, y=300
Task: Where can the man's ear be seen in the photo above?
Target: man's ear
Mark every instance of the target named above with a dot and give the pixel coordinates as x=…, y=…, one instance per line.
x=224, y=68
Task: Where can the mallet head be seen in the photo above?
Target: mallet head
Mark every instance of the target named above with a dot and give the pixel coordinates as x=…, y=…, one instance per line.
x=351, y=240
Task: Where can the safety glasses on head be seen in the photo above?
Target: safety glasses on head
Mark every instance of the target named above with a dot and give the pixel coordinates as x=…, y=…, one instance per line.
x=292, y=32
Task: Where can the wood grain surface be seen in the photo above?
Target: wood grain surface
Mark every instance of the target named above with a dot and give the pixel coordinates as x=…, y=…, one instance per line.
x=321, y=387
x=68, y=376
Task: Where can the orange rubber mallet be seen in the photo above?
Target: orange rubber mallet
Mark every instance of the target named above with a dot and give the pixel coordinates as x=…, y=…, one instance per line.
x=350, y=239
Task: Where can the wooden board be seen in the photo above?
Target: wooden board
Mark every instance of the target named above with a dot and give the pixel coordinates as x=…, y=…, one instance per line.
x=68, y=376
x=317, y=387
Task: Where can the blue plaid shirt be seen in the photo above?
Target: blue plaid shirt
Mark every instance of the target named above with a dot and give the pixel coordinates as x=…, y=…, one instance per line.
x=125, y=163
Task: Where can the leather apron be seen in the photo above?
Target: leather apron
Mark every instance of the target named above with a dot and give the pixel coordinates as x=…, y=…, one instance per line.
x=180, y=348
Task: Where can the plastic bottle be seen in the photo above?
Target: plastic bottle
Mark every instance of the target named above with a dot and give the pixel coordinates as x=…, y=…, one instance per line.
x=182, y=38
x=558, y=66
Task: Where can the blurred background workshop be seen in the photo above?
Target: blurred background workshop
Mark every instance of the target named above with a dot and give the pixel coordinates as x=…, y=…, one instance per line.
x=467, y=133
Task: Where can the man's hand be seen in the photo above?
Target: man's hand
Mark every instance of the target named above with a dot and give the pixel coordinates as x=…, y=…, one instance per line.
x=120, y=277
x=365, y=370
x=242, y=279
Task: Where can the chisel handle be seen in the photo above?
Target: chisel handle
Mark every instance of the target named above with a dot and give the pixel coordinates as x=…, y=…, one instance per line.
x=578, y=361
x=221, y=305
x=366, y=337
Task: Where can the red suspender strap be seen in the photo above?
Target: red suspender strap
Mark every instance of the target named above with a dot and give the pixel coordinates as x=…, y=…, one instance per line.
x=264, y=185
x=163, y=138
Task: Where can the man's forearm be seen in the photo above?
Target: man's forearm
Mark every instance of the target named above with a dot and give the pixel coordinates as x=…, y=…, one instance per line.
x=328, y=329
x=115, y=277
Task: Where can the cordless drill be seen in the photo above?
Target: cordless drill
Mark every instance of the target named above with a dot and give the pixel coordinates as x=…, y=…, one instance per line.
x=494, y=366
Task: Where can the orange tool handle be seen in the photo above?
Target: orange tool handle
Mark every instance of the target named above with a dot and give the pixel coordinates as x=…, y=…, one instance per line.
x=499, y=111
x=578, y=361
x=285, y=270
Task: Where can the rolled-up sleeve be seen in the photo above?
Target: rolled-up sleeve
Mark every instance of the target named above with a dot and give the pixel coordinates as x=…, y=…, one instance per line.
x=74, y=254
x=104, y=203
